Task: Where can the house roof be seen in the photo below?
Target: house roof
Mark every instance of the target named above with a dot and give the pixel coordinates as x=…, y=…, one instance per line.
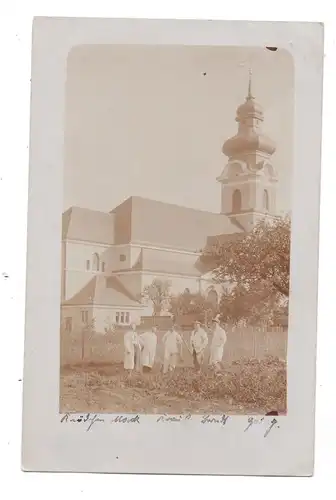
x=163, y=224
x=88, y=225
x=104, y=292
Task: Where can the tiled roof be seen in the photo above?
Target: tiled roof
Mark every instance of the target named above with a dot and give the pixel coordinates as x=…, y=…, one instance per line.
x=163, y=224
x=140, y=220
x=165, y=262
x=88, y=225
x=205, y=262
x=104, y=292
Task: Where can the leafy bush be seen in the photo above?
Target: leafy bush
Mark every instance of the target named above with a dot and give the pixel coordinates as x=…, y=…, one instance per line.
x=248, y=382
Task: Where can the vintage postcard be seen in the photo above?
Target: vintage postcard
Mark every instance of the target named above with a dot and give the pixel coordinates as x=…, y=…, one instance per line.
x=171, y=302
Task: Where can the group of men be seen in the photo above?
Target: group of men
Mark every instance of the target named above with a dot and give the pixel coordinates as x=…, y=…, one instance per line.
x=140, y=349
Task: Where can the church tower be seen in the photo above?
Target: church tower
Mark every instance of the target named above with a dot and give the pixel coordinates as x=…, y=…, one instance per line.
x=249, y=180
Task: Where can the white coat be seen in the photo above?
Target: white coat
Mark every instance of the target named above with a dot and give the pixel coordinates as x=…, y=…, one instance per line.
x=217, y=345
x=198, y=340
x=148, y=342
x=131, y=340
x=172, y=341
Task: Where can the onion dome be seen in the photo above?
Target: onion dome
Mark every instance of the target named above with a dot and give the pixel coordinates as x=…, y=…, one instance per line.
x=249, y=137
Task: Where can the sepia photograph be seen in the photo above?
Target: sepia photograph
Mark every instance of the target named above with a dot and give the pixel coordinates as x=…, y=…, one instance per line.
x=176, y=229
x=172, y=262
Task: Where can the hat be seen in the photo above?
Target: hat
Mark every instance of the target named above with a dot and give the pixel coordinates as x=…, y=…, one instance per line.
x=216, y=319
x=197, y=322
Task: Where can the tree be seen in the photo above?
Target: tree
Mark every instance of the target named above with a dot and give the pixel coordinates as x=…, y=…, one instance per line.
x=158, y=292
x=254, y=306
x=188, y=303
x=256, y=267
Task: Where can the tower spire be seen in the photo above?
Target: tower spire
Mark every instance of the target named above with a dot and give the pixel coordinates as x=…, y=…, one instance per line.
x=249, y=93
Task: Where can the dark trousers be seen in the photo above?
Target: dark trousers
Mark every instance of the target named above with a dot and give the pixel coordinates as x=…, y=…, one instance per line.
x=195, y=360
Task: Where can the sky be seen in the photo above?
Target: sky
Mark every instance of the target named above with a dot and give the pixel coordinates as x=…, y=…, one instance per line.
x=150, y=121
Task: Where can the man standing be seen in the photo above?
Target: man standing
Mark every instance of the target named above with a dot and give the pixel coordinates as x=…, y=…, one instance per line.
x=148, y=342
x=198, y=343
x=131, y=349
x=217, y=344
x=172, y=342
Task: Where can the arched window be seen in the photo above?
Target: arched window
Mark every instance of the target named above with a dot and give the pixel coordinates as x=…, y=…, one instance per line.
x=95, y=262
x=266, y=200
x=213, y=297
x=236, y=201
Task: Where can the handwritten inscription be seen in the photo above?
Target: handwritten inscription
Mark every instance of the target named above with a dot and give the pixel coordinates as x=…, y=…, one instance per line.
x=91, y=420
x=252, y=421
x=208, y=419
x=173, y=418
x=87, y=419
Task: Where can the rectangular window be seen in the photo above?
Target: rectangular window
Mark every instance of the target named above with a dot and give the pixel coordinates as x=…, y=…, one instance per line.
x=103, y=267
x=127, y=318
x=88, y=265
x=122, y=317
x=117, y=318
x=68, y=325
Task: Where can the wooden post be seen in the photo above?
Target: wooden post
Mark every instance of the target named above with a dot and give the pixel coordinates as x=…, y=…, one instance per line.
x=83, y=344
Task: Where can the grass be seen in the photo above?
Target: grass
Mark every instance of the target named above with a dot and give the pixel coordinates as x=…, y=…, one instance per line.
x=248, y=386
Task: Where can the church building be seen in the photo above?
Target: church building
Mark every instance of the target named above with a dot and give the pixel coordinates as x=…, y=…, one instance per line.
x=109, y=258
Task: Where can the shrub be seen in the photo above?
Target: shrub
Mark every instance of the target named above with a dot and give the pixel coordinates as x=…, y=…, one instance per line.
x=248, y=382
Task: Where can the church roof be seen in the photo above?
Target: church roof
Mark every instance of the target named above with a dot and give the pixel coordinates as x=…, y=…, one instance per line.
x=145, y=221
x=164, y=262
x=88, y=225
x=103, y=291
x=162, y=224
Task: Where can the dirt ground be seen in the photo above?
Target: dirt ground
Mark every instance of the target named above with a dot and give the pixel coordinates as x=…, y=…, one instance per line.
x=99, y=389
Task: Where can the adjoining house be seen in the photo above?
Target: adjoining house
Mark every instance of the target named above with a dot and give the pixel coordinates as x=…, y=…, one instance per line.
x=109, y=258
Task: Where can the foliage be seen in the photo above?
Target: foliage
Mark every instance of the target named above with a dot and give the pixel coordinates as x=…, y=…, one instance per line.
x=191, y=304
x=158, y=292
x=90, y=327
x=109, y=327
x=248, y=382
x=254, y=306
x=256, y=267
x=263, y=255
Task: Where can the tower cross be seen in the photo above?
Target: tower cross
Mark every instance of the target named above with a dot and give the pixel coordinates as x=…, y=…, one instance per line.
x=249, y=93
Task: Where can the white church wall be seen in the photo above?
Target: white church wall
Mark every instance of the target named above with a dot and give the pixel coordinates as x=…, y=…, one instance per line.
x=82, y=261
x=120, y=258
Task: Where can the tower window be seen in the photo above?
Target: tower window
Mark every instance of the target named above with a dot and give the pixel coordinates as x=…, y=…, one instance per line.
x=103, y=267
x=236, y=201
x=95, y=262
x=122, y=257
x=266, y=200
x=88, y=265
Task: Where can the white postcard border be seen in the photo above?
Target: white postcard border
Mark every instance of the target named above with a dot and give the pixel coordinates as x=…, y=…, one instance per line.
x=186, y=447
